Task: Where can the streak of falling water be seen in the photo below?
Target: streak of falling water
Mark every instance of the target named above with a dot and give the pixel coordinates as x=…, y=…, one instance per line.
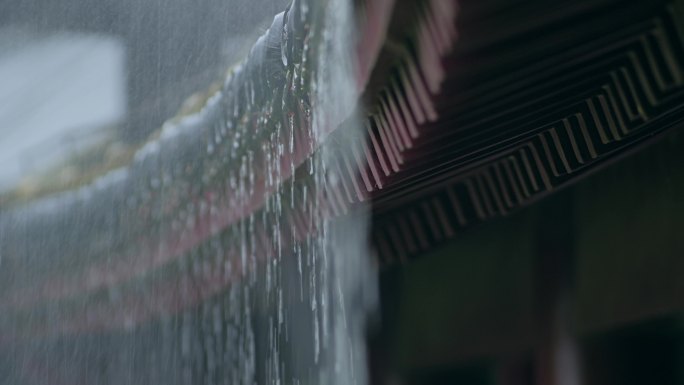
x=171, y=271
x=319, y=289
x=347, y=284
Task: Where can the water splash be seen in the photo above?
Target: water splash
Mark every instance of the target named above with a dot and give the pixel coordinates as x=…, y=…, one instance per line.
x=219, y=255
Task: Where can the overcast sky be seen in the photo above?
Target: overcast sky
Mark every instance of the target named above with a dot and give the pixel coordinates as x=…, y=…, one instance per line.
x=51, y=86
